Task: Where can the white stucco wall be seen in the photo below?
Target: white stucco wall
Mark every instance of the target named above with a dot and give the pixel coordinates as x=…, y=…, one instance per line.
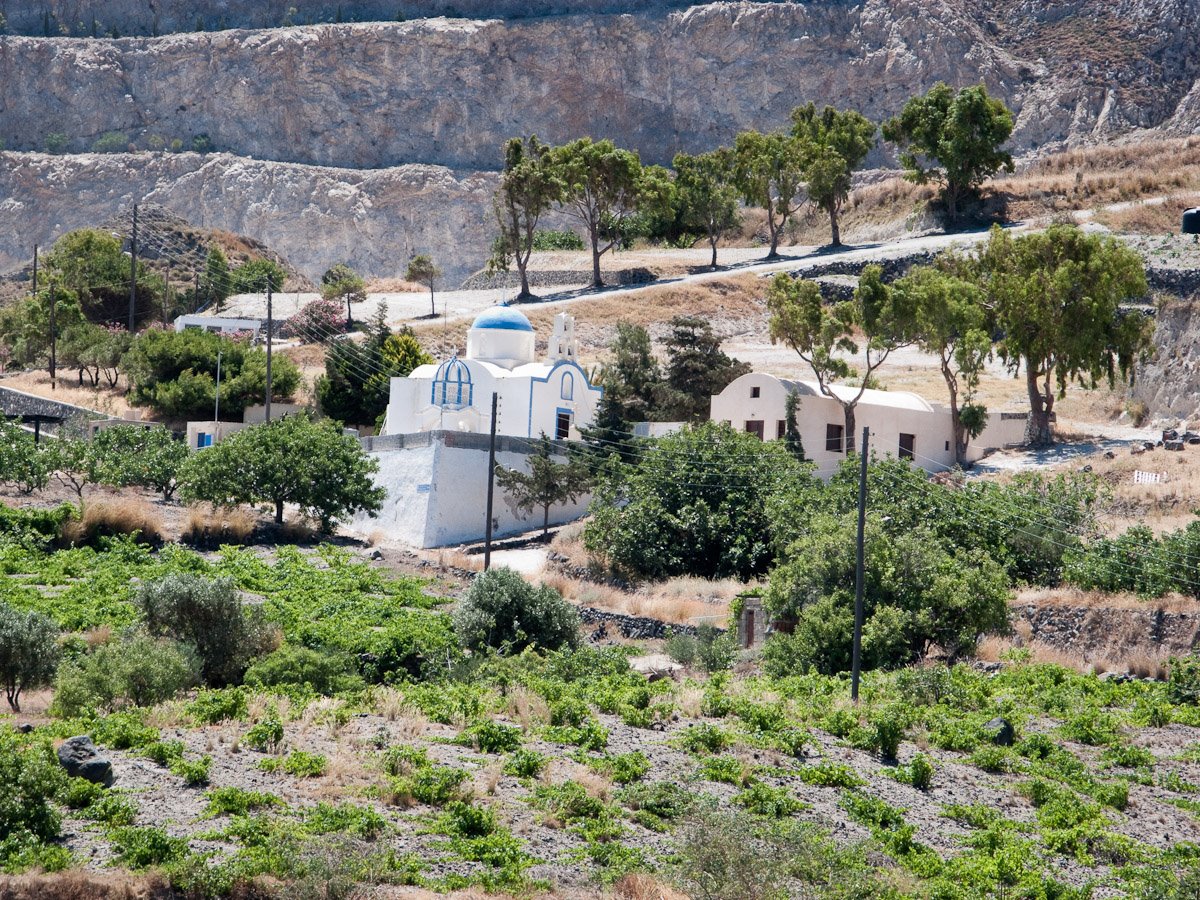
x=888, y=415
x=437, y=493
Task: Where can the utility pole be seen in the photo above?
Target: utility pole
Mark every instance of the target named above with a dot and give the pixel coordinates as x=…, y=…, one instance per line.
x=217, y=405
x=856, y=661
x=270, y=323
x=196, y=293
x=35, y=264
x=133, y=269
x=166, y=293
x=53, y=340
x=487, y=541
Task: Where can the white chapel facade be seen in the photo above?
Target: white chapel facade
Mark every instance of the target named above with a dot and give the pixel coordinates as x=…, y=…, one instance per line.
x=552, y=397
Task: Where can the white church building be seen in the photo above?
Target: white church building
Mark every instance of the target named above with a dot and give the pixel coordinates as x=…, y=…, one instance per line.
x=903, y=425
x=433, y=449
x=551, y=397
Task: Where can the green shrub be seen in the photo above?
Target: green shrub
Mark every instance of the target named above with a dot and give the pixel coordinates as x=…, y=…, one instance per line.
x=525, y=763
x=491, y=737
x=569, y=711
x=111, y=142
x=113, y=809
x=681, y=647
x=829, y=774
x=590, y=736
x=163, y=752
x=715, y=650
x=267, y=735
x=773, y=802
x=504, y=612
x=299, y=763
x=123, y=730
x=657, y=803
x=467, y=820
x=194, y=772
x=569, y=802
x=212, y=706
x=140, y=848
x=325, y=672
x=1092, y=728
x=726, y=769
x=1127, y=756
x=546, y=240
x=79, y=792
x=622, y=768
x=137, y=669
x=1183, y=679
x=208, y=615
x=872, y=812
x=920, y=772
x=345, y=818
x=991, y=758
x=704, y=738
x=236, y=801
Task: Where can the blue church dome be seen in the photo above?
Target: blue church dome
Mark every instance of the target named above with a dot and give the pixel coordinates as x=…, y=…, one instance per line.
x=502, y=318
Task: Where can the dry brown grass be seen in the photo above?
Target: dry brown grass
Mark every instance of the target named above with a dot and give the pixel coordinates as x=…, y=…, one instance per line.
x=102, y=399
x=1097, y=176
x=115, y=516
x=1077, y=597
x=395, y=286
x=639, y=886
x=527, y=707
x=80, y=885
x=211, y=526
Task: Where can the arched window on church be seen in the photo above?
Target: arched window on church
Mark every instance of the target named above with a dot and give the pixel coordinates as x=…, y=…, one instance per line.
x=568, y=386
x=452, y=387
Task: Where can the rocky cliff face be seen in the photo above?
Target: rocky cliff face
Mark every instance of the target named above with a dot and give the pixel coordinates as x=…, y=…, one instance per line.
x=314, y=216
x=448, y=93
x=1169, y=383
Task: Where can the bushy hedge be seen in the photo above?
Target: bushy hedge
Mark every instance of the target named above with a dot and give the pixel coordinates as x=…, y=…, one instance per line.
x=502, y=611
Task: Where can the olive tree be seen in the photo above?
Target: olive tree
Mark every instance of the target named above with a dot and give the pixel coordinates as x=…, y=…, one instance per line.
x=835, y=142
x=706, y=195
x=502, y=611
x=547, y=482
x=28, y=652
x=768, y=170
x=342, y=283
x=529, y=186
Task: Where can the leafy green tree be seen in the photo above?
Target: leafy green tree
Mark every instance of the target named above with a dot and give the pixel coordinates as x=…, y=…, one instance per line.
x=917, y=595
x=342, y=283
x=835, y=142
x=23, y=463
x=252, y=276
x=289, y=460
x=132, y=455
x=529, y=187
x=706, y=196
x=953, y=138
x=546, y=484
x=90, y=264
x=697, y=368
x=952, y=324
x=1057, y=297
x=28, y=652
x=703, y=501
x=603, y=187
x=174, y=372
x=25, y=324
x=504, y=612
x=357, y=380
x=632, y=382
x=216, y=284
x=93, y=350
x=71, y=460
x=768, y=170
x=209, y=616
x=817, y=332
x=421, y=269
x=326, y=671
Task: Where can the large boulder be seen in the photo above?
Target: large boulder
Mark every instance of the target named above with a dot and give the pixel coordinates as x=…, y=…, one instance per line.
x=79, y=756
x=1000, y=732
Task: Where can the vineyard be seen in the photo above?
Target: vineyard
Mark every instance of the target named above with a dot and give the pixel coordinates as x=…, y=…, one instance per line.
x=420, y=764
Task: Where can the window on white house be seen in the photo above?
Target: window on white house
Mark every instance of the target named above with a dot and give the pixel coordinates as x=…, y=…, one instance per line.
x=755, y=427
x=568, y=386
x=781, y=428
x=835, y=436
x=908, y=444
x=755, y=392
x=562, y=426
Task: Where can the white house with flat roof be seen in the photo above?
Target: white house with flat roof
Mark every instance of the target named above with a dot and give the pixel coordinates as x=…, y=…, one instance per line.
x=551, y=397
x=903, y=424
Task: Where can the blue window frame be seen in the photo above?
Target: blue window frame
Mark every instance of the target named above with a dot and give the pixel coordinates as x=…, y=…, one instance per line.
x=568, y=386
x=452, y=387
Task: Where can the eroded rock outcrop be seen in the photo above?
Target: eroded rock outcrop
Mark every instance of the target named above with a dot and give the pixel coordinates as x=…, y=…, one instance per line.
x=315, y=216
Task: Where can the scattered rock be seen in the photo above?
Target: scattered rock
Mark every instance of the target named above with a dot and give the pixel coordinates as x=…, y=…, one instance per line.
x=1000, y=732
x=25, y=728
x=1173, y=445
x=81, y=759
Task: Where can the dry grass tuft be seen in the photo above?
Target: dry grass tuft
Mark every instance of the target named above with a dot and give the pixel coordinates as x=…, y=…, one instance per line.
x=639, y=886
x=212, y=526
x=527, y=707
x=78, y=885
x=116, y=516
x=97, y=637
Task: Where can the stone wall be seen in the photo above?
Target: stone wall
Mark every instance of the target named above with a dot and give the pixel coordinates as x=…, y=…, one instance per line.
x=1108, y=633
